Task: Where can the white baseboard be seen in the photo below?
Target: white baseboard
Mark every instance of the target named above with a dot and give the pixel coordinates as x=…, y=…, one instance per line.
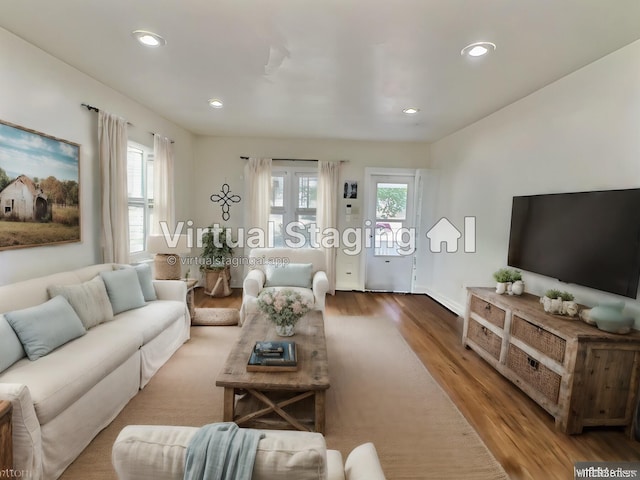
x=452, y=305
x=345, y=287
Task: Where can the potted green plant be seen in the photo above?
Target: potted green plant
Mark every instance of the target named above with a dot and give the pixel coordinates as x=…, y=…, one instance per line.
x=504, y=279
x=552, y=293
x=550, y=301
x=216, y=260
x=517, y=285
x=559, y=302
x=569, y=307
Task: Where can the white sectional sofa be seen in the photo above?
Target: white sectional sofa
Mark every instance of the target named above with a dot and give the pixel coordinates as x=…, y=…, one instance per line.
x=63, y=399
x=152, y=452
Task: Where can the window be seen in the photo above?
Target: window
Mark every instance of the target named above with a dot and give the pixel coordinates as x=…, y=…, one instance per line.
x=140, y=191
x=293, y=204
x=391, y=213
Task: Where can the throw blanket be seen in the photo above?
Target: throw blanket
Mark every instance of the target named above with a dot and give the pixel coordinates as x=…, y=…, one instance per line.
x=222, y=451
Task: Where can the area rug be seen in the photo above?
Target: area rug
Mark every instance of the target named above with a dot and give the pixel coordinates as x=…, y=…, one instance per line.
x=380, y=392
x=215, y=316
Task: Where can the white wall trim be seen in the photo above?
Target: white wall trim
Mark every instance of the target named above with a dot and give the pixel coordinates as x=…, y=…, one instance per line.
x=456, y=307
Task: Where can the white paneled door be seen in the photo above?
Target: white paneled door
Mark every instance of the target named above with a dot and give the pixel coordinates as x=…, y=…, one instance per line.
x=390, y=228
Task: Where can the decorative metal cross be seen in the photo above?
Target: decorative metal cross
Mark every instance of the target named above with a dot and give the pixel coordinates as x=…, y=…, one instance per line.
x=224, y=200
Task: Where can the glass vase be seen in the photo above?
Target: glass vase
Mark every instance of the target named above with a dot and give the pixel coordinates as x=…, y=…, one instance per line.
x=285, y=330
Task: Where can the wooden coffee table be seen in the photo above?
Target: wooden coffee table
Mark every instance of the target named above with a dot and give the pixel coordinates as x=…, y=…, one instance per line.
x=273, y=391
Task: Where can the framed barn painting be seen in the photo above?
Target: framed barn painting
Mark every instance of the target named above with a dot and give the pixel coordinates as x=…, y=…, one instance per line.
x=39, y=188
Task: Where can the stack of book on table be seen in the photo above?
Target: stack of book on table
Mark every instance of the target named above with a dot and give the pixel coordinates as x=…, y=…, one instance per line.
x=273, y=356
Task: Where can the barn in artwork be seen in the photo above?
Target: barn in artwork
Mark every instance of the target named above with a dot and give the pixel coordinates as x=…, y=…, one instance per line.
x=24, y=200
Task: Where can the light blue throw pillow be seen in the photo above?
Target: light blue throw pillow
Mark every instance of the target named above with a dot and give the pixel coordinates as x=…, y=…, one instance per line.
x=124, y=290
x=45, y=327
x=290, y=275
x=146, y=281
x=10, y=347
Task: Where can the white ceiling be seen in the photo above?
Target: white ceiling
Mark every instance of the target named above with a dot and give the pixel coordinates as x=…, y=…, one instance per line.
x=351, y=66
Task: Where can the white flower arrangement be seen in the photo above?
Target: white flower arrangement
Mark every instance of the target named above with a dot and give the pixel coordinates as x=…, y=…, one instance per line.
x=283, y=307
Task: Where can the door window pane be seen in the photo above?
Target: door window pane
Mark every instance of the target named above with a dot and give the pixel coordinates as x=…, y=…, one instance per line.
x=150, y=180
x=293, y=199
x=140, y=195
x=276, y=222
x=385, y=238
x=136, y=229
x=134, y=172
x=277, y=191
x=391, y=201
x=307, y=191
x=305, y=219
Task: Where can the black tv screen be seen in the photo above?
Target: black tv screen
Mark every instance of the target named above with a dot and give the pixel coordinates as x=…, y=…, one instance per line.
x=586, y=238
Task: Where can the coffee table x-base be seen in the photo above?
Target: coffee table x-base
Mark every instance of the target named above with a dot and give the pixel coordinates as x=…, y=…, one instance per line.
x=274, y=391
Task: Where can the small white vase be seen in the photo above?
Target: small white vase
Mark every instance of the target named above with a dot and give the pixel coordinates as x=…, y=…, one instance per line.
x=570, y=308
x=501, y=288
x=518, y=287
x=556, y=306
x=552, y=305
x=285, y=330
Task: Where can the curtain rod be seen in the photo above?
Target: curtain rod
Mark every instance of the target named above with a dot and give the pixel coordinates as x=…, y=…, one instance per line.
x=288, y=159
x=293, y=159
x=91, y=108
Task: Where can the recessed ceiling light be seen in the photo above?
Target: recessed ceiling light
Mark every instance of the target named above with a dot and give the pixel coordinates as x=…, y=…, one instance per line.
x=478, y=49
x=411, y=111
x=215, y=103
x=149, y=39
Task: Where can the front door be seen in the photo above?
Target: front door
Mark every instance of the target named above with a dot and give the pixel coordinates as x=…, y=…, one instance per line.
x=391, y=221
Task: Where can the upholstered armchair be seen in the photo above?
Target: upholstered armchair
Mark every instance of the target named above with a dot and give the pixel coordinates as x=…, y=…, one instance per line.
x=299, y=269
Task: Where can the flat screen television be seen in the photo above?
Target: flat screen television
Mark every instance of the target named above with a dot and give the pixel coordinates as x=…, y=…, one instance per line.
x=586, y=238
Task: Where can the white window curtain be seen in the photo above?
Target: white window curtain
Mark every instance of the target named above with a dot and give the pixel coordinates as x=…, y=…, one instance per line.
x=112, y=141
x=327, y=211
x=163, y=191
x=257, y=174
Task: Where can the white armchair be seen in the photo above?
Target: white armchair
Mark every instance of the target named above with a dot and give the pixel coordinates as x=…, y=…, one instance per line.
x=261, y=260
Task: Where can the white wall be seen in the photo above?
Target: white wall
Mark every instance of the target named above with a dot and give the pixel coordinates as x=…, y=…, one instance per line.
x=41, y=93
x=580, y=133
x=217, y=162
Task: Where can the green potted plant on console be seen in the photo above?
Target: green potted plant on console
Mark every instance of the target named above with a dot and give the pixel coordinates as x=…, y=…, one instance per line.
x=505, y=279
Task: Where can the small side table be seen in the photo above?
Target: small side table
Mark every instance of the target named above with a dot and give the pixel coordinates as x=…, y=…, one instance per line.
x=191, y=294
x=6, y=441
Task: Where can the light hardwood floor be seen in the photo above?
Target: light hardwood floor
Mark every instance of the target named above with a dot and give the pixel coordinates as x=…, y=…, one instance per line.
x=519, y=433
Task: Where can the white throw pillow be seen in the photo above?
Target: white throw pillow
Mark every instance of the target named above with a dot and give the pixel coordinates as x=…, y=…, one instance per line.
x=88, y=299
x=290, y=455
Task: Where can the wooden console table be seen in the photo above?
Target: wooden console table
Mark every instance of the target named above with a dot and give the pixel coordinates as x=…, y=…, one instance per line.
x=582, y=376
x=6, y=442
